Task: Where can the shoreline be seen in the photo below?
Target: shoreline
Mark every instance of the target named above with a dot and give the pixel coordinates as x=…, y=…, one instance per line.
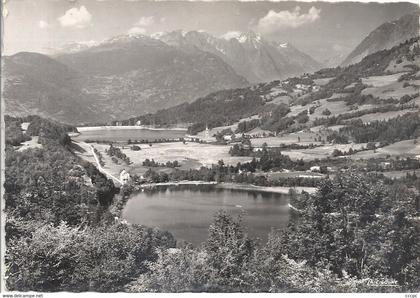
x=186, y=182
x=237, y=186
x=272, y=189
x=139, y=127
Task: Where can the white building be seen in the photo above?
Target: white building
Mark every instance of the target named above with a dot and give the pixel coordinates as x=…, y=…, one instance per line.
x=124, y=177
x=207, y=134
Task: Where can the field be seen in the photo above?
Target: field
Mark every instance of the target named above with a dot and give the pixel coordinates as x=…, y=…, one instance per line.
x=320, y=128
x=400, y=174
x=300, y=138
x=394, y=90
x=335, y=107
x=408, y=148
x=321, y=152
x=215, y=130
x=324, y=81
x=292, y=174
x=380, y=81
x=381, y=116
x=403, y=66
x=32, y=143
x=118, y=134
x=189, y=155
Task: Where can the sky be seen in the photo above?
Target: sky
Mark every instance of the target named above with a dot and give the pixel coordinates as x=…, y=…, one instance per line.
x=317, y=27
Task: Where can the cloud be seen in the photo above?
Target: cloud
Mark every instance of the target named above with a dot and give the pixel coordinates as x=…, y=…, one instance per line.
x=275, y=21
x=76, y=18
x=43, y=25
x=140, y=26
x=231, y=34
x=136, y=31
x=145, y=22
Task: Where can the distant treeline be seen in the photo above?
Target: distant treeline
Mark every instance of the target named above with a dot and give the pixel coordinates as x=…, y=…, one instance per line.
x=152, y=163
x=45, y=129
x=115, y=152
x=60, y=233
x=393, y=130
x=266, y=160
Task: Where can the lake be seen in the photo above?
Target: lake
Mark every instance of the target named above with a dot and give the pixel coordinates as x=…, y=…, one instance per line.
x=187, y=211
x=116, y=134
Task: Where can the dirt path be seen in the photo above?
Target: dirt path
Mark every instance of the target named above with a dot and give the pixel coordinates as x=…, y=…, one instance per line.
x=101, y=168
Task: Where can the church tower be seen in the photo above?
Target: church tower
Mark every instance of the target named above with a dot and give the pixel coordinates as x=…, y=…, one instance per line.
x=207, y=133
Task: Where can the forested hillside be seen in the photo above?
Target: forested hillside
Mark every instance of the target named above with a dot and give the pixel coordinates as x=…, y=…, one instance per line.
x=357, y=233
x=385, y=36
x=274, y=101
x=118, y=78
x=57, y=210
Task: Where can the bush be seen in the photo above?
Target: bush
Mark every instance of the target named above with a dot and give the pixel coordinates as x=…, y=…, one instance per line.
x=326, y=112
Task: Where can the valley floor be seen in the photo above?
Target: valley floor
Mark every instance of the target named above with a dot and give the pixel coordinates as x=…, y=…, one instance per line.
x=192, y=155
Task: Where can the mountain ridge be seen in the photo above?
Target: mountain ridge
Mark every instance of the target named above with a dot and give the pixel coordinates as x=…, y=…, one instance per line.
x=384, y=37
x=268, y=100
x=122, y=77
x=248, y=53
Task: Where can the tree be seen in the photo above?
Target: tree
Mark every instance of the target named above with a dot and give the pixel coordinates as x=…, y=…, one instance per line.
x=326, y=112
x=352, y=224
x=64, y=258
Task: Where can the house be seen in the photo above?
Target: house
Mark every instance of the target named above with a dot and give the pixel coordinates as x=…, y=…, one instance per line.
x=386, y=165
x=124, y=177
x=315, y=169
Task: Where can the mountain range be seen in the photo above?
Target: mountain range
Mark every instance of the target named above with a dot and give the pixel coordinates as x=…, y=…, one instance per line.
x=37, y=84
x=122, y=77
x=384, y=37
x=250, y=55
x=131, y=75
x=383, y=81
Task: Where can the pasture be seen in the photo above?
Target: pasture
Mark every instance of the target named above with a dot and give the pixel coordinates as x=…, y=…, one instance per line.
x=321, y=152
x=306, y=137
x=381, y=81
x=393, y=90
x=190, y=156
x=382, y=116
x=407, y=148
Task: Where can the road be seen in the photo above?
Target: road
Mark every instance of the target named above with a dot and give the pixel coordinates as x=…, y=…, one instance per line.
x=101, y=168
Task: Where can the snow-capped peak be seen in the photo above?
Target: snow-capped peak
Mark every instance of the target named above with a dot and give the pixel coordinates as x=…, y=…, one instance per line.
x=231, y=35
x=125, y=38
x=250, y=37
x=283, y=45
x=242, y=39
x=158, y=35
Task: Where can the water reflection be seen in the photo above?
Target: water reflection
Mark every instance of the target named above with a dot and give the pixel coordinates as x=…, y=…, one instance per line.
x=187, y=210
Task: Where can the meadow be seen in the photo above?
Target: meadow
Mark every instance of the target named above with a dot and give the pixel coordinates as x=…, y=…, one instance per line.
x=189, y=155
x=117, y=134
